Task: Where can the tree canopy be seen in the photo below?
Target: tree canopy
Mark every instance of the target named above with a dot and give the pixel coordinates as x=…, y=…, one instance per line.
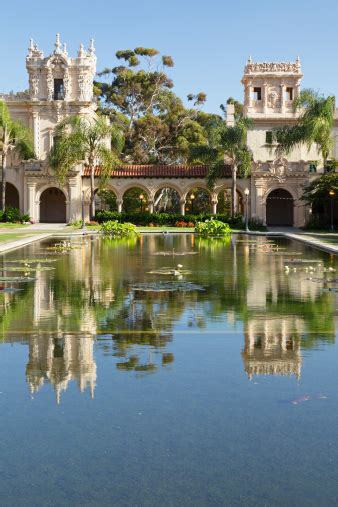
x=14, y=137
x=314, y=125
x=139, y=99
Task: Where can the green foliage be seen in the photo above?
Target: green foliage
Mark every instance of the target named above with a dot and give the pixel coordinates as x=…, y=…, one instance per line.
x=212, y=228
x=13, y=215
x=318, y=190
x=115, y=229
x=139, y=100
x=314, y=125
x=81, y=139
x=14, y=137
x=171, y=219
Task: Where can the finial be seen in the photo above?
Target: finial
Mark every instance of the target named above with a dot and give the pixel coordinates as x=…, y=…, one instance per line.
x=57, y=43
x=91, y=49
x=31, y=44
x=81, y=53
x=250, y=59
x=65, y=48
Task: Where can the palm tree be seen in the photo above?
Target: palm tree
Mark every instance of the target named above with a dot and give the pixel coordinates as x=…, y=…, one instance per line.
x=80, y=139
x=14, y=137
x=227, y=145
x=314, y=125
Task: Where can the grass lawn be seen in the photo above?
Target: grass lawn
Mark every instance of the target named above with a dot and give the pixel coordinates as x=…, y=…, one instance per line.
x=10, y=236
x=8, y=226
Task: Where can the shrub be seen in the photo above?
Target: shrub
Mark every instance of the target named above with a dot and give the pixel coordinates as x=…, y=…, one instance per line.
x=13, y=215
x=212, y=228
x=169, y=219
x=115, y=229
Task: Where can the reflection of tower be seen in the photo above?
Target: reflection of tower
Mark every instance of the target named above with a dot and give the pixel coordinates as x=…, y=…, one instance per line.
x=272, y=347
x=59, y=360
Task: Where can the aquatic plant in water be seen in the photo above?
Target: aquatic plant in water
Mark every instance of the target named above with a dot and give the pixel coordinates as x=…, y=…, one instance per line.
x=115, y=229
x=174, y=286
x=212, y=228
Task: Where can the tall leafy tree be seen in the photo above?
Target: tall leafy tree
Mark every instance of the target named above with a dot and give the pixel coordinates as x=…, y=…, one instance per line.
x=93, y=141
x=14, y=137
x=227, y=145
x=314, y=125
x=138, y=96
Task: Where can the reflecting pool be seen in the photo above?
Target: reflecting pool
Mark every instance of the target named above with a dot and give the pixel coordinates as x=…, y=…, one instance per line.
x=169, y=370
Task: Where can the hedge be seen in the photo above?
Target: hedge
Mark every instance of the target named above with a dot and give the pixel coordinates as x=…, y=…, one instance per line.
x=171, y=219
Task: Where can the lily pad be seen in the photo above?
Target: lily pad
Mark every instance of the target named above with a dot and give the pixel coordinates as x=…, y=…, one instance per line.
x=156, y=287
x=170, y=271
x=15, y=279
x=31, y=261
x=26, y=269
x=175, y=253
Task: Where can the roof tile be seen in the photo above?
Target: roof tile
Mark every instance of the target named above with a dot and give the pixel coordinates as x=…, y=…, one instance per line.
x=159, y=171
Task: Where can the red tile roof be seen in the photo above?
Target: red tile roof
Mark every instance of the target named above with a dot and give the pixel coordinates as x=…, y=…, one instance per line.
x=159, y=171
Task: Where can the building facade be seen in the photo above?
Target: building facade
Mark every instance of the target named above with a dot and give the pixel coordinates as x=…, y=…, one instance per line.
x=60, y=85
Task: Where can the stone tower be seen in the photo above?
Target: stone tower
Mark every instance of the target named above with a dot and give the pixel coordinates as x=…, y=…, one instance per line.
x=59, y=86
x=270, y=88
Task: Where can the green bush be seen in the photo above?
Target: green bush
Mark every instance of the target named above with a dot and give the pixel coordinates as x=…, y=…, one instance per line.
x=212, y=228
x=169, y=219
x=13, y=215
x=115, y=229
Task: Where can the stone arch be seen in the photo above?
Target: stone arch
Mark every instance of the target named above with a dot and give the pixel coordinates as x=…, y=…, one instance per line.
x=12, y=196
x=202, y=199
x=171, y=199
x=226, y=207
x=105, y=199
x=132, y=200
x=53, y=205
x=280, y=207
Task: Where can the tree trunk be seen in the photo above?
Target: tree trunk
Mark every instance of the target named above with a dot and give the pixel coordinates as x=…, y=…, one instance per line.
x=3, y=183
x=233, y=191
x=92, y=192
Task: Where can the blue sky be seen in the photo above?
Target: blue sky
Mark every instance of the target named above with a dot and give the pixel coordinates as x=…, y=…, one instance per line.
x=209, y=41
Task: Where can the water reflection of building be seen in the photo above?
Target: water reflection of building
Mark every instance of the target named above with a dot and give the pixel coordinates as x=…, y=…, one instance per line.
x=59, y=360
x=272, y=347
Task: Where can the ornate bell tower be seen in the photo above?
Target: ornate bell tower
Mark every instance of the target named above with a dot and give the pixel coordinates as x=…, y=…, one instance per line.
x=59, y=77
x=58, y=86
x=270, y=88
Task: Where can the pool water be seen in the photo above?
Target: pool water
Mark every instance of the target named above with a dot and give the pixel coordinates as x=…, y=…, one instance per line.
x=126, y=380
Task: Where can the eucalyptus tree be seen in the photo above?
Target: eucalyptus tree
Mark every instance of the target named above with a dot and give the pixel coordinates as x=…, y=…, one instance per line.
x=314, y=125
x=90, y=140
x=14, y=137
x=227, y=145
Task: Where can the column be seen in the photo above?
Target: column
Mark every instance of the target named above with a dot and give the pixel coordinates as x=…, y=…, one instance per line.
x=31, y=204
x=36, y=134
x=214, y=203
x=282, y=98
x=265, y=97
x=74, y=203
x=151, y=206
x=119, y=203
x=182, y=206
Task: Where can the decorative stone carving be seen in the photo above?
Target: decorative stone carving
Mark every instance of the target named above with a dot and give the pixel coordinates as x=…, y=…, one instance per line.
x=266, y=67
x=67, y=84
x=34, y=86
x=50, y=85
x=279, y=169
x=274, y=97
x=82, y=86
